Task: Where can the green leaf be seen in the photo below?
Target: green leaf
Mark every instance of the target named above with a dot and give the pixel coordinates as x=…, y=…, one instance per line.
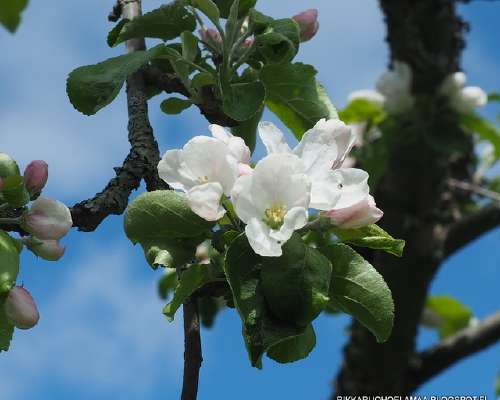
x=373, y=237
x=209, y=8
x=359, y=290
x=8, y=166
x=10, y=13
x=485, y=129
x=361, y=110
x=497, y=385
x=174, y=105
x=494, y=96
x=93, y=87
x=162, y=214
x=259, y=22
x=14, y=191
x=295, y=96
x=167, y=283
x=166, y=22
x=202, y=79
x=242, y=101
x=295, y=348
x=115, y=32
x=452, y=315
x=296, y=285
x=168, y=252
x=194, y=277
x=208, y=308
x=190, y=50
x=9, y=262
x=243, y=8
x=261, y=331
x=6, y=328
x=247, y=130
x=280, y=42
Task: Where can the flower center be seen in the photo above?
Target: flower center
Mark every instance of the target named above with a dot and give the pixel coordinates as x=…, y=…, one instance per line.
x=275, y=215
x=203, y=179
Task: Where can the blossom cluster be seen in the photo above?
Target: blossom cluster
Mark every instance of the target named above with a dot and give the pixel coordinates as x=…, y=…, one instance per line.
x=275, y=197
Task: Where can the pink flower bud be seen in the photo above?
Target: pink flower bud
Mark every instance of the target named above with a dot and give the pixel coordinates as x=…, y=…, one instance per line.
x=47, y=219
x=308, y=24
x=210, y=35
x=244, y=169
x=248, y=42
x=50, y=250
x=36, y=175
x=20, y=308
x=356, y=216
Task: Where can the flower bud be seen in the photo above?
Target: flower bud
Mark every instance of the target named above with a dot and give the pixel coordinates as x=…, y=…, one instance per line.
x=210, y=35
x=20, y=308
x=249, y=42
x=308, y=24
x=356, y=216
x=8, y=166
x=50, y=250
x=203, y=253
x=36, y=175
x=47, y=219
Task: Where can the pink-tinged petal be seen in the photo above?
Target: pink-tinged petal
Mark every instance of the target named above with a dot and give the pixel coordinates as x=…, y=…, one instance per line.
x=205, y=201
x=244, y=169
x=36, y=175
x=356, y=216
x=48, y=219
x=21, y=309
x=308, y=24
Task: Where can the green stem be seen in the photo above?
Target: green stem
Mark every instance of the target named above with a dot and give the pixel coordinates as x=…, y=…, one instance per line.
x=10, y=221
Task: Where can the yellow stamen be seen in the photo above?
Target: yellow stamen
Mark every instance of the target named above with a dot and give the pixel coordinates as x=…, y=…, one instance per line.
x=275, y=215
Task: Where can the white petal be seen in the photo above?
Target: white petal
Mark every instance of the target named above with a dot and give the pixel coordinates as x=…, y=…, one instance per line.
x=453, y=83
x=353, y=186
x=358, y=215
x=295, y=219
x=472, y=97
x=260, y=240
x=170, y=169
x=204, y=200
x=242, y=198
x=325, y=191
x=236, y=145
x=220, y=133
x=273, y=138
x=369, y=95
x=278, y=179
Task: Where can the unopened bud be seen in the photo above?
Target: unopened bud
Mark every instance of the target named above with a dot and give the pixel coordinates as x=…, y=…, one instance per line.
x=358, y=215
x=50, y=250
x=308, y=24
x=203, y=253
x=47, y=219
x=20, y=308
x=210, y=35
x=36, y=175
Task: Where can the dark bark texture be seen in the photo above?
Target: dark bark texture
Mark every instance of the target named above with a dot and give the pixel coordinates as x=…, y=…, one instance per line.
x=419, y=206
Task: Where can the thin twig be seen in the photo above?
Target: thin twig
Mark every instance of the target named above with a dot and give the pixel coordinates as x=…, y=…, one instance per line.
x=192, y=350
x=438, y=358
x=473, y=188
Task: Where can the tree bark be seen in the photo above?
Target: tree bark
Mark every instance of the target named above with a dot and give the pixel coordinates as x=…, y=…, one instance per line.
x=427, y=35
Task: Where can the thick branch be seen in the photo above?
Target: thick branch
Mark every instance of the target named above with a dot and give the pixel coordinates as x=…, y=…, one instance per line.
x=471, y=227
x=435, y=360
x=192, y=352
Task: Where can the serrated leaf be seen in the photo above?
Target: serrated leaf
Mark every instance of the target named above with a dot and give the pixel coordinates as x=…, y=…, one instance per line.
x=294, y=348
x=259, y=22
x=209, y=8
x=242, y=101
x=174, y=105
x=93, y=87
x=193, y=278
x=10, y=13
x=6, y=328
x=261, y=331
x=243, y=8
x=296, y=285
x=486, y=130
x=9, y=262
x=452, y=315
x=280, y=42
x=295, y=96
x=362, y=110
x=166, y=22
x=359, y=290
x=115, y=32
x=373, y=237
x=162, y=214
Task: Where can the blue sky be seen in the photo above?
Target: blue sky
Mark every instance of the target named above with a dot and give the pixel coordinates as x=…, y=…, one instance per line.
x=101, y=331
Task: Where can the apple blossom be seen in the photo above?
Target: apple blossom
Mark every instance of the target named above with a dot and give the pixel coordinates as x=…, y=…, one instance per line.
x=356, y=215
x=47, y=219
x=322, y=148
x=273, y=202
x=206, y=169
x=36, y=175
x=308, y=24
x=463, y=99
x=21, y=309
x=210, y=35
x=50, y=250
x=395, y=86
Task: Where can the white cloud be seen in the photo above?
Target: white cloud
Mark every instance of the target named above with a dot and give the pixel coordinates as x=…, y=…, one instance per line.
x=102, y=327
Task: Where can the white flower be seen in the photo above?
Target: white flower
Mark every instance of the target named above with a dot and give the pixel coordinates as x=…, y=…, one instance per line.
x=273, y=202
x=366, y=94
x=50, y=250
x=206, y=169
x=463, y=99
x=322, y=149
x=395, y=86
x=47, y=219
x=356, y=215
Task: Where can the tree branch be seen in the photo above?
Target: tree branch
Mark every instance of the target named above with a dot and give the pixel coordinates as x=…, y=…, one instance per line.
x=192, y=353
x=436, y=359
x=471, y=227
